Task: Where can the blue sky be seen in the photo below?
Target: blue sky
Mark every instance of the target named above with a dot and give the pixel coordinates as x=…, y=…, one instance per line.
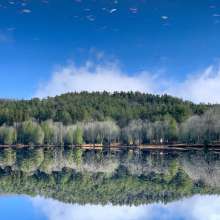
x=172, y=41
x=38, y=208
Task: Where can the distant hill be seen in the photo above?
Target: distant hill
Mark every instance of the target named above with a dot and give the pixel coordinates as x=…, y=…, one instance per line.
x=122, y=107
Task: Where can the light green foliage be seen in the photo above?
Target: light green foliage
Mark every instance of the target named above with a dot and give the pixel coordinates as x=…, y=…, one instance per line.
x=171, y=129
x=49, y=131
x=30, y=160
x=133, y=133
x=7, y=157
x=48, y=162
x=31, y=133
x=69, y=135
x=142, y=118
x=77, y=155
x=101, y=132
x=8, y=135
x=172, y=170
x=78, y=136
x=198, y=129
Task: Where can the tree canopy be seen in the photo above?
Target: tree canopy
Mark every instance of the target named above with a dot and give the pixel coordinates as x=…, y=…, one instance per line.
x=119, y=106
x=130, y=118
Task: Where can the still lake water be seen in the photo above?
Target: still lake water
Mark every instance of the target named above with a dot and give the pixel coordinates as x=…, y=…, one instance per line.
x=75, y=184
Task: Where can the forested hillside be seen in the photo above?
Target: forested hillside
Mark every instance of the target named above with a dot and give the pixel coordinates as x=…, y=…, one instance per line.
x=103, y=118
x=120, y=107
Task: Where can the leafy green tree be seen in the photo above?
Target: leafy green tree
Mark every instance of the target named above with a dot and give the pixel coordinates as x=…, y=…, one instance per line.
x=48, y=129
x=30, y=160
x=171, y=133
x=173, y=129
x=77, y=155
x=31, y=133
x=78, y=136
x=8, y=135
x=48, y=162
x=69, y=136
x=7, y=157
x=63, y=116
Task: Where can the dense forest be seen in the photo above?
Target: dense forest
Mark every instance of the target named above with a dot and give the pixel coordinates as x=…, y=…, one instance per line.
x=121, y=107
x=99, y=177
x=104, y=118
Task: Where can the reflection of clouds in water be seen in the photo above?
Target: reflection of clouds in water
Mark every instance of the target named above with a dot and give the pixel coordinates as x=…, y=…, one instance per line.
x=195, y=208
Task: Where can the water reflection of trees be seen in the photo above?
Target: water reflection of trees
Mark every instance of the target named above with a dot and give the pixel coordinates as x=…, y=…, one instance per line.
x=99, y=176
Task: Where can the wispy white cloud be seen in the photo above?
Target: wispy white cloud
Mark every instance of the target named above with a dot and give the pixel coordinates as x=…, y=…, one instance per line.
x=97, y=78
x=194, y=208
x=164, y=17
x=200, y=87
x=26, y=11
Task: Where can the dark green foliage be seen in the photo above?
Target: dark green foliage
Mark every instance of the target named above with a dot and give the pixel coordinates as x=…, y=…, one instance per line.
x=121, y=107
x=130, y=118
x=48, y=172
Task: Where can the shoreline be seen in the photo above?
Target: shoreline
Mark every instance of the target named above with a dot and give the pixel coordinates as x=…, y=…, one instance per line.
x=179, y=147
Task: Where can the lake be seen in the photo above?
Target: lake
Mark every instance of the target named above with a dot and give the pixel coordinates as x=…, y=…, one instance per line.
x=71, y=183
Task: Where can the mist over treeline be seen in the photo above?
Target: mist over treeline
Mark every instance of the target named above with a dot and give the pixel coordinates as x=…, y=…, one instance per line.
x=104, y=118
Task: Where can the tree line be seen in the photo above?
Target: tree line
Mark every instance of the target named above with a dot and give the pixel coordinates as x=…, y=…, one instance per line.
x=88, y=188
x=121, y=107
x=51, y=172
x=198, y=129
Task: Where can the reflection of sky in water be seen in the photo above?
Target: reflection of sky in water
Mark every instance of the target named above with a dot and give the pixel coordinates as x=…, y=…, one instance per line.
x=197, y=207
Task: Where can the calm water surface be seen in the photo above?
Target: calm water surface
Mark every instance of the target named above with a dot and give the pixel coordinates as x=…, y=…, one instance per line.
x=75, y=184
